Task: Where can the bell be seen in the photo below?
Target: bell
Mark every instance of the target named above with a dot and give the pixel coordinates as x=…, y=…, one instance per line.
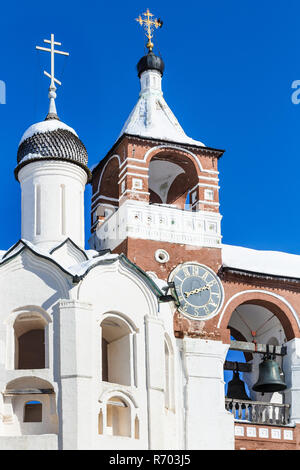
x=236, y=388
x=270, y=377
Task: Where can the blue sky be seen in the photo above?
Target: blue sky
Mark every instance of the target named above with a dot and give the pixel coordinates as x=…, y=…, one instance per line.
x=229, y=71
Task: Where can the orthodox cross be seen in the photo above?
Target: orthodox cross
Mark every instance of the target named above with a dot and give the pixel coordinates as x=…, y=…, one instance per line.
x=149, y=25
x=52, y=88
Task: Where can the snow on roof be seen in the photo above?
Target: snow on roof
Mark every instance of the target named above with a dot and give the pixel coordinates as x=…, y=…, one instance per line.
x=31, y=156
x=159, y=126
x=45, y=126
x=161, y=283
x=275, y=263
x=151, y=117
x=78, y=269
x=81, y=268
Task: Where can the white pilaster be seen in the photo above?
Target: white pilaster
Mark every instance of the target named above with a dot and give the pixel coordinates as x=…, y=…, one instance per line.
x=207, y=424
x=77, y=386
x=155, y=381
x=291, y=367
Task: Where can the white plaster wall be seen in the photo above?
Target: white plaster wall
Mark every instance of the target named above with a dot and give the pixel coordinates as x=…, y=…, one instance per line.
x=28, y=286
x=75, y=313
x=208, y=425
x=113, y=289
x=44, y=442
x=49, y=217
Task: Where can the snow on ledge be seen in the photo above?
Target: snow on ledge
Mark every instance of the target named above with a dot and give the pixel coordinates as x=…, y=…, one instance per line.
x=46, y=126
x=276, y=263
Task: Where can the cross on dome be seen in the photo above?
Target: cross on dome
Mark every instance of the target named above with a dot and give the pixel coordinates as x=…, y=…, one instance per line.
x=52, y=89
x=149, y=25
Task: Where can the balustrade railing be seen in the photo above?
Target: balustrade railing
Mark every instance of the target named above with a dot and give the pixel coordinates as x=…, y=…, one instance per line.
x=258, y=412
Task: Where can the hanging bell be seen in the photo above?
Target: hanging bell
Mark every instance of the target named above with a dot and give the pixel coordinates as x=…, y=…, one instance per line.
x=270, y=377
x=236, y=388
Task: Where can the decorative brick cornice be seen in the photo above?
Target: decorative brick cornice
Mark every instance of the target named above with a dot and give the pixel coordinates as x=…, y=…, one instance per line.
x=239, y=276
x=205, y=151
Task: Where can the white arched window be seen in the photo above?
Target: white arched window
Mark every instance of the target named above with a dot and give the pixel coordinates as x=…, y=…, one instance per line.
x=118, y=418
x=29, y=331
x=117, y=346
x=30, y=404
x=33, y=412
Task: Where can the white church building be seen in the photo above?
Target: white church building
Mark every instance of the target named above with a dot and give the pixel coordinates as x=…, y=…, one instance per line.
x=123, y=345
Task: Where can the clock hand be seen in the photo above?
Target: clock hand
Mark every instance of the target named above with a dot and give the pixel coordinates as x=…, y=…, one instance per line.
x=195, y=291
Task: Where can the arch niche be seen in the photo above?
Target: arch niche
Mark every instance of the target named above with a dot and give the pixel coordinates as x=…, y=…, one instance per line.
x=172, y=174
x=265, y=318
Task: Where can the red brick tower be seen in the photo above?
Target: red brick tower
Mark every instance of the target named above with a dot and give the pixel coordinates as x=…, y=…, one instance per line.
x=156, y=194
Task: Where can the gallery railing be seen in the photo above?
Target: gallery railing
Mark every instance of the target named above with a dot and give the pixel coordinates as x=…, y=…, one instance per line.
x=258, y=412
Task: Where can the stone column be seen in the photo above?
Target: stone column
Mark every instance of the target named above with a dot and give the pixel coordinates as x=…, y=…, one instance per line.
x=291, y=368
x=207, y=424
x=76, y=375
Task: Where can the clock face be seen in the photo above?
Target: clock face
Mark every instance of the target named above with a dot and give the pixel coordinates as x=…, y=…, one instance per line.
x=198, y=289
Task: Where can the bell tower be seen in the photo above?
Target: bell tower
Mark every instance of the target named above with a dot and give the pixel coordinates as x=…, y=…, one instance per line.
x=156, y=193
x=156, y=199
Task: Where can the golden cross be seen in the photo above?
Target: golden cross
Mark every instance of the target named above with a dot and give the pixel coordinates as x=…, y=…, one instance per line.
x=149, y=24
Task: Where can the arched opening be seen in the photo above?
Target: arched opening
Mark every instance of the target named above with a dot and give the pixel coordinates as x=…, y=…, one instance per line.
x=256, y=330
x=30, y=406
x=171, y=176
x=109, y=180
x=118, y=417
x=29, y=330
x=117, y=351
x=33, y=412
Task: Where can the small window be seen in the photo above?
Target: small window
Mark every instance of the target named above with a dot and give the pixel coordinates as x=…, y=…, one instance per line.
x=209, y=194
x=33, y=412
x=118, y=418
x=137, y=183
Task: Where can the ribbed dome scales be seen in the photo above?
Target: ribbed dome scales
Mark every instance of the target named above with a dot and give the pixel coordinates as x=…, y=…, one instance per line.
x=51, y=140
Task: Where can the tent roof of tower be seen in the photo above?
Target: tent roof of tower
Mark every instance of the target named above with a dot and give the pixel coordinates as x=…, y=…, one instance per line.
x=151, y=117
x=51, y=140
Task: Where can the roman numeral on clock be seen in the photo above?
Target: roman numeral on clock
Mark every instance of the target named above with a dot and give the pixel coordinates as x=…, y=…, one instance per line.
x=186, y=271
x=195, y=270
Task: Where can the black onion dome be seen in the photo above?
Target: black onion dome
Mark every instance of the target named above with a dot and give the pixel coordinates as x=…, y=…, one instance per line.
x=54, y=142
x=150, y=62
